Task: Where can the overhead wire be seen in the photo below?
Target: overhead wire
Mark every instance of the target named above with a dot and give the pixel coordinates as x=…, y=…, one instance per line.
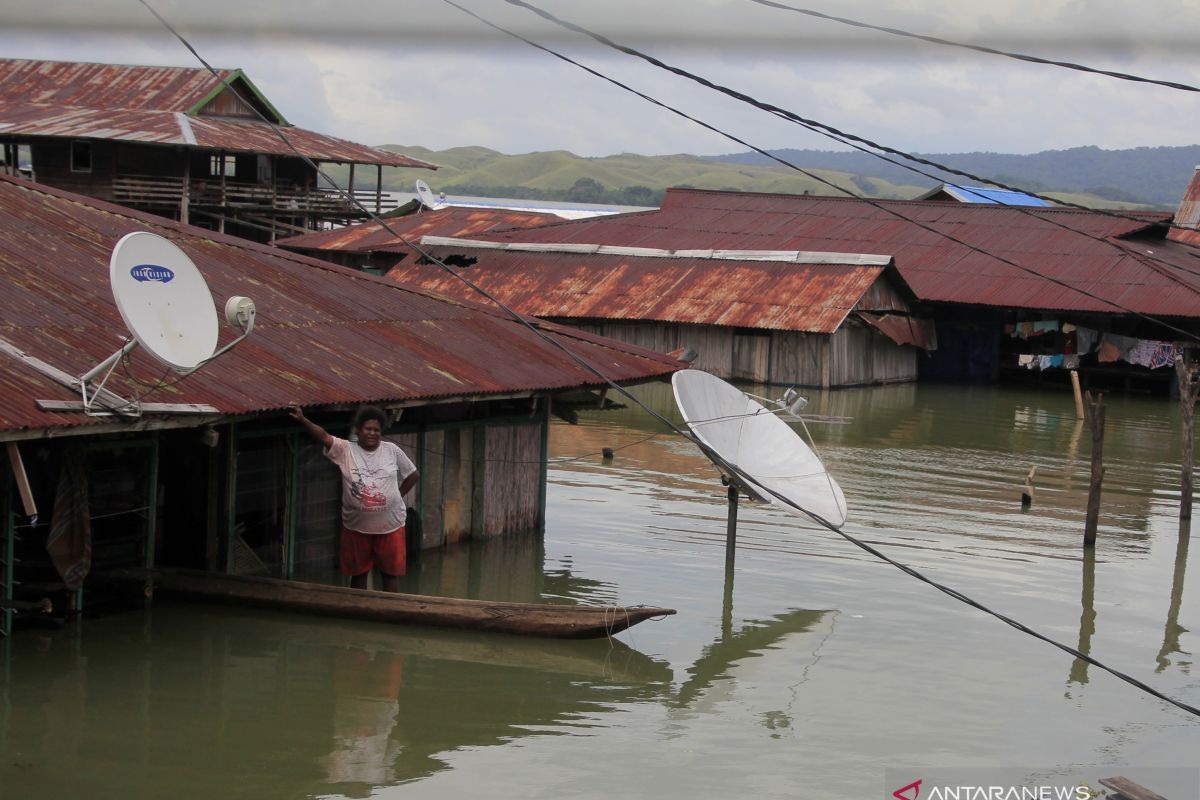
x=1125, y=76
x=717, y=459
x=779, y=159
x=816, y=126
x=862, y=144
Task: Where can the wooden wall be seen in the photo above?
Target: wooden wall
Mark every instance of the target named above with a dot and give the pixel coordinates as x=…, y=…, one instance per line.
x=857, y=355
x=512, y=490
x=797, y=358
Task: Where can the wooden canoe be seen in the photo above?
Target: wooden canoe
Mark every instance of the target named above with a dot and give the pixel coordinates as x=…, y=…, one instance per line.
x=523, y=619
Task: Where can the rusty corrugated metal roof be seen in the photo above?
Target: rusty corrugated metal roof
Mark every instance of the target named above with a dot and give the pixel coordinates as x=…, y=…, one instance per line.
x=324, y=335
x=156, y=105
x=454, y=221
x=774, y=295
x=936, y=269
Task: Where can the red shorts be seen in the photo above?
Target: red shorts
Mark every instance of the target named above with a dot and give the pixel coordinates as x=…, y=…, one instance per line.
x=359, y=553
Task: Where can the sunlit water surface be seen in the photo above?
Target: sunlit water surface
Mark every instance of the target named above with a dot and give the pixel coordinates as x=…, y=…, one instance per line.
x=814, y=671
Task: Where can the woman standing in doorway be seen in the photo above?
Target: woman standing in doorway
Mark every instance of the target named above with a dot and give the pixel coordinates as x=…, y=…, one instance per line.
x=376, y=474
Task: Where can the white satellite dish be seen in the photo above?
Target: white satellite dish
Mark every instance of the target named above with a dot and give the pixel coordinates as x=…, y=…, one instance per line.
x=169, y=311
x=425, y=194
x=164, y=300
x=767, y=453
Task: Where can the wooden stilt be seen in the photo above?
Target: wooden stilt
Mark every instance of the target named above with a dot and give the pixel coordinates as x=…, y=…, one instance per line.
x=1096, y=415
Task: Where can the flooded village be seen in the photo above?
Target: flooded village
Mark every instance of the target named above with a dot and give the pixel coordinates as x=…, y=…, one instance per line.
x=1003, y=389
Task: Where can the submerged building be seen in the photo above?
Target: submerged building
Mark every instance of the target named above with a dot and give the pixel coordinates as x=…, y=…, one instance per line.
x=798, y=318
x=1021, y=292
x=218, y=477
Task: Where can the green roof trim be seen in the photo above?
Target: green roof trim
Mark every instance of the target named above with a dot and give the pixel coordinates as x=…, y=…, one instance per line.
x=238, y=75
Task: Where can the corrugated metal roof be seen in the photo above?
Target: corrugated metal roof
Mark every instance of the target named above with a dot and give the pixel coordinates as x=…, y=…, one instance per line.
x=324, y=334
x=777, y=295
x=88, y=85
x=1109, y=261
x=373, y=237
x=153, y=104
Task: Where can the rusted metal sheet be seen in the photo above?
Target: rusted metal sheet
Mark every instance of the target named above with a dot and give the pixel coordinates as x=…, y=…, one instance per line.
x=324, y=334
x=156, y=105
x=903, y=330
x=373, y=237
x=769, y=295
x=1188, y=214
x=1100, y=254
x=72, y=83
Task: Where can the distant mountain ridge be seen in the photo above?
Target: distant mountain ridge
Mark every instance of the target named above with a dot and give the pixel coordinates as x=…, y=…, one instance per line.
x=638, y=180
x=1146, y=175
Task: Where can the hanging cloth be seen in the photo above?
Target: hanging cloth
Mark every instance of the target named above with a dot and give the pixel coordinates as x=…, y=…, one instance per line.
x=70, y=541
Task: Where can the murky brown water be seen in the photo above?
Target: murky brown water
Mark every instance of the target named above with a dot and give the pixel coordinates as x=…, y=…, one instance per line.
x=817, y=669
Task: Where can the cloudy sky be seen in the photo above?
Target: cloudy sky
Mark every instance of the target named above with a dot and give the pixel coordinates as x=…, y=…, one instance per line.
x=421, y=72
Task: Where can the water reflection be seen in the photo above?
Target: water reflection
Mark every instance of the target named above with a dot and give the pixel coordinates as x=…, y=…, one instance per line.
x=268, y=705
x=1174, y=630
x=754, y=639
x=1087, y=618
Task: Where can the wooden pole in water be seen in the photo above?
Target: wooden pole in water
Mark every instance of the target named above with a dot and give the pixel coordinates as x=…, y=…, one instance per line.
x=731, y=525
x=730, y=548
x=1079, y=413
x=1096, y=415
x=1187, y=408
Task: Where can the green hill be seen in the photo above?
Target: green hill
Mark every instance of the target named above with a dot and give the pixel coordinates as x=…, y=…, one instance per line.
x=630, y=179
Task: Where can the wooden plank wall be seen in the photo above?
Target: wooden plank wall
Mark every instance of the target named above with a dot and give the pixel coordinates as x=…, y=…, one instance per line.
x=796, y=358
x=512, y=478
x=752, y=356
x=714, y=344
x=861, y=356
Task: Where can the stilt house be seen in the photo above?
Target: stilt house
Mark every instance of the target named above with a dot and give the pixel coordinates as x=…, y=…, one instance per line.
x=187, y=144
x=234, y=485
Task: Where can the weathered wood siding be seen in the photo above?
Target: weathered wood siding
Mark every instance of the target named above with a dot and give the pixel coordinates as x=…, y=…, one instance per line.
x=513, y=474
x=752, y=355
x=859, y=356
x=796, y=358
x=714, y=344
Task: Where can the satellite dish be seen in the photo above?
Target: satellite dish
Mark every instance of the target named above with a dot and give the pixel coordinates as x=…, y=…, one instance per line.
x=425, y=194
x=768, y=454
x=164, y=300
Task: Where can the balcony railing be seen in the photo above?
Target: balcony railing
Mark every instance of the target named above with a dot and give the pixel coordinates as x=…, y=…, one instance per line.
x=279, y=200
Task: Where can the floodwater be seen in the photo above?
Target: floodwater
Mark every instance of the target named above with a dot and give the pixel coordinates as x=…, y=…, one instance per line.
x=811, y=672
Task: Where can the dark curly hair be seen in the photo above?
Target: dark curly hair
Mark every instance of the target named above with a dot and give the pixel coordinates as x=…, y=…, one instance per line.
x=368, y=413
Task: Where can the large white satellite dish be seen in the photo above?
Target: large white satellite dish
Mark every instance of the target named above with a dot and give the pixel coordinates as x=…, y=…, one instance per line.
x=169, y=311
x=164, y=300
x=769, y=456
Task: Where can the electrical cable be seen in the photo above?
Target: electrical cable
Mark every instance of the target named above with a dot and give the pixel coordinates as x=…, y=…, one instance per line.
x=874, y=204
x=979, y=48
x=816, y=126
x=715, y=457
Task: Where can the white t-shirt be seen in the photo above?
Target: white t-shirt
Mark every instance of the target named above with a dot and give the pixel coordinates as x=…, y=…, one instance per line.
x=371, y=500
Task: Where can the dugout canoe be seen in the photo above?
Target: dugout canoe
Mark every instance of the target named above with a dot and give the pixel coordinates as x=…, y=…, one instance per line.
x=523, y=619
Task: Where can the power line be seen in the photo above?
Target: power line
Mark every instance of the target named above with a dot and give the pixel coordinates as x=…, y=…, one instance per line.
x=716, y=457
x=1125, y=76
x=874, y=204
x=826, y=130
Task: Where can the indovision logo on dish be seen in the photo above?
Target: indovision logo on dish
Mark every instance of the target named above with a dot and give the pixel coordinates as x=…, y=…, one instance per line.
x=961, y=788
